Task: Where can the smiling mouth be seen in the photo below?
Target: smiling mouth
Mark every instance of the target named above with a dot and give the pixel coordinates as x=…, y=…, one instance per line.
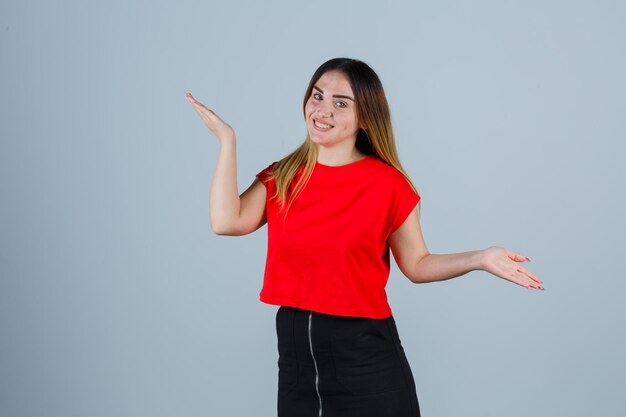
x=322, y=125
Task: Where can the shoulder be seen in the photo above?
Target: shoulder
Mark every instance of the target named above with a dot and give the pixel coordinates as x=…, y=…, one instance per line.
x=391, y=181
x=266, y=172
x=387, y=172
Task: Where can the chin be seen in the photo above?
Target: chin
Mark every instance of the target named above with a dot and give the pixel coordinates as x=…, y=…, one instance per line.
x=315, y=138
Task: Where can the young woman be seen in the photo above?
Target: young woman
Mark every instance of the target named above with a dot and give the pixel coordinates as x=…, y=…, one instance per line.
x=334, y=208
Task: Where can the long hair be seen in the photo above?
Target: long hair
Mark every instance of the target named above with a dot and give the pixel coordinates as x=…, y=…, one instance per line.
x=372, y=112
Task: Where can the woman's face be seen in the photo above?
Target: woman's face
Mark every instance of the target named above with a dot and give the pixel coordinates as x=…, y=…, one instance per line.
x=330, y=110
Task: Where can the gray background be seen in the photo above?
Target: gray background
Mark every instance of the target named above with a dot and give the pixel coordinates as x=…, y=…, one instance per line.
x=116, y=299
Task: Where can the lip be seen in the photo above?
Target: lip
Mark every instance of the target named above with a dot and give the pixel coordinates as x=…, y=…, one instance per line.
x=319, y=128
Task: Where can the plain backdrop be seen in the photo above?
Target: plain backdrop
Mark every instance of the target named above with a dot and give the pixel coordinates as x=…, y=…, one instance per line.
x=117, y=300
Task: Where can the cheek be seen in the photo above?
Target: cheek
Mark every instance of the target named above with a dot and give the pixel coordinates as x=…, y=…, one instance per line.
x=308, y=109
x=348, y=120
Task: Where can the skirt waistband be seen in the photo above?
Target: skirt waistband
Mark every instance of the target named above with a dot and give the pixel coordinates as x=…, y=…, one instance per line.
x=329, y=364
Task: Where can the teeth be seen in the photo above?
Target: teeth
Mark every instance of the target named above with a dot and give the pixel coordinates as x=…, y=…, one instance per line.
x=322, y=125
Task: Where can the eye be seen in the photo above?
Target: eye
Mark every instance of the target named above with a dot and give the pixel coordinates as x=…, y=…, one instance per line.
x=341, y=104
x=317, y=96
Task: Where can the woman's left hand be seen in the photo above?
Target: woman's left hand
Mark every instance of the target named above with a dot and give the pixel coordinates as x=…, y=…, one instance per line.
x=502, y=262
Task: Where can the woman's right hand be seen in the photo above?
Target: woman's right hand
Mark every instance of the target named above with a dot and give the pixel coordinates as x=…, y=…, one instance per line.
x=220, y=128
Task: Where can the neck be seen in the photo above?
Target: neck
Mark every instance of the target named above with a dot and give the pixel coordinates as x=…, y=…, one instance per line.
x=332, y=158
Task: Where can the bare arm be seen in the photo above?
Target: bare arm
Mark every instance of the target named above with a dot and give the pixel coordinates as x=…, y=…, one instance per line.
x=420, y=266
x=224, y=202
x=440, y=267
x=230, y=213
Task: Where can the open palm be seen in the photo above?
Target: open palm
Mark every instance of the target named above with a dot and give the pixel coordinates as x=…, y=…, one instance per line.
x=219, y=127
x=502, y=262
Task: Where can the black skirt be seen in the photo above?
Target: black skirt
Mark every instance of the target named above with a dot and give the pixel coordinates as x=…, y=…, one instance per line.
x=335, y=366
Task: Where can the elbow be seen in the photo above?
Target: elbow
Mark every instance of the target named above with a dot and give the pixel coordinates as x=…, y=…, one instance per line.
x=415, y=280
x=221, y=225
x=218, y=232
x=230, y=229
x=416, y=276
x=220, y=229
x=411, y=276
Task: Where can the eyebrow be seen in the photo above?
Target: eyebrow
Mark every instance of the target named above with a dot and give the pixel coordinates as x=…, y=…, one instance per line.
x=335, y=95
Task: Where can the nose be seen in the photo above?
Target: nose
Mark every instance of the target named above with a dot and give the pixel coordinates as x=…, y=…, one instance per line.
x=324, y=110
x=322, y=113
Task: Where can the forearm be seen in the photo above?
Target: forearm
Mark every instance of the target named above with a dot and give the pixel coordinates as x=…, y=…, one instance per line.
x=224, y=202
x=440, y=267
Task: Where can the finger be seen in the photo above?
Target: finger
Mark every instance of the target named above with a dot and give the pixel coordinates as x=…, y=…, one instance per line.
x=205, y=112
x=530, y=282
x=193, y=101
x=201, y=107
x=515, y=276
x=529, y=274
x=522, y=283
x=521, y=276
x=533, y=284
x=190, y=98
x=518, y=257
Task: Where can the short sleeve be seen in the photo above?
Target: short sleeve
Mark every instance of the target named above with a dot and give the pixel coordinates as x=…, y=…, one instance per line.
x=404, y=200
x=264, y=174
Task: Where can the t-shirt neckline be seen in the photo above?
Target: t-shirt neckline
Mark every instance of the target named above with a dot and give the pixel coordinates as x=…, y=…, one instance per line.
x=349, y=165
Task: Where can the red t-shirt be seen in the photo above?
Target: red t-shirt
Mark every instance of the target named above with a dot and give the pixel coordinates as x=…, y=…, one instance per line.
x=331, y=254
